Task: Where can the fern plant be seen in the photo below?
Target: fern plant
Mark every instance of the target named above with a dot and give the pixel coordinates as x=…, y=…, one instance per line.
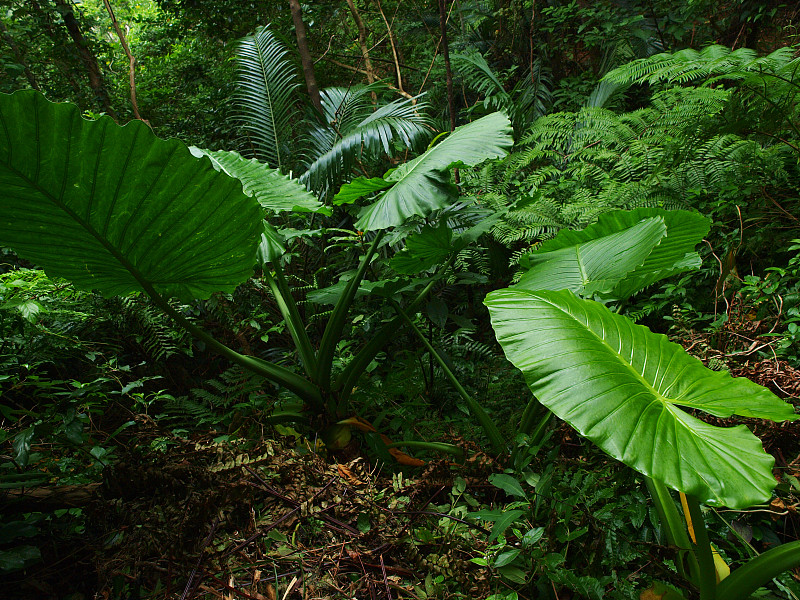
x=570, y=167
x=763, y=89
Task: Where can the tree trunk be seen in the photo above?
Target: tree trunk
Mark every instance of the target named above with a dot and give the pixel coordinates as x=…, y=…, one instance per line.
x=305, y=55
x=46, y=22
x=451, y=101
x=89, y=59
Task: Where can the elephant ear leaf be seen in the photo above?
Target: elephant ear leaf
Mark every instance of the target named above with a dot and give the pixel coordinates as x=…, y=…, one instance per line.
x=625, y=388
x=671, y=255
x=271, y=247
x=596, y=265
x=116, y=209
x=359, y=187
x=424, y=250
x=423, y=185
x=273, y=190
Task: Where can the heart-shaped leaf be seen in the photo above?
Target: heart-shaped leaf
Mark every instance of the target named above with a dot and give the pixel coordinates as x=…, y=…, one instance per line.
x=423, y=185
x=360, y=186
x=273, y=190
x=424, y=250
x=595, y=266
x=673, y=254
x=625, y=388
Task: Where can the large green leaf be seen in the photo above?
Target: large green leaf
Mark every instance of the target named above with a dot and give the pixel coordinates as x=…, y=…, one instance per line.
x=423, y=184
x=360, y=186
x=673, y=254
x=273, y=190
x=625, y=388
x=424, y=250
x=115, y=208
x=594, y=266
x=271, y=247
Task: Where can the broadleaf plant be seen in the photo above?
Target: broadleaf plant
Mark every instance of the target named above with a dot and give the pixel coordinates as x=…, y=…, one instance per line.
x=629, y=390
x=118, y=210
x=673, y=253
x=595, y=266
x=423, y=185
x=626, y=389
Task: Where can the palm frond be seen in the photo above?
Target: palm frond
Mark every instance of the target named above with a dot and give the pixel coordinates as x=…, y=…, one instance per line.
x=355, y=132
x=263, y=101
x=529, y=99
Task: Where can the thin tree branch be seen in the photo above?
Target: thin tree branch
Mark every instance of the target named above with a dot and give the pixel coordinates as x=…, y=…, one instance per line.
x=131, y=61
x=394, y=51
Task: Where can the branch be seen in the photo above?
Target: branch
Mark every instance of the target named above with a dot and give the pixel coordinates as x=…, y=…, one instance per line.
x=131, y=60
x=394, y=50
x=362, y=71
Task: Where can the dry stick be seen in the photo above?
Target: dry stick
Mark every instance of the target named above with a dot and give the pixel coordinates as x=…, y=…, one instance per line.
x=362, y=71
x=132, y=61
x=373, y=58
x=330, y=41
x=430, y=67
x=385, y=580
x=295, y=503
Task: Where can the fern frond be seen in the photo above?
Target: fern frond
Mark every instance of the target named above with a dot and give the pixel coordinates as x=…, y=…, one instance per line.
x=185, y=410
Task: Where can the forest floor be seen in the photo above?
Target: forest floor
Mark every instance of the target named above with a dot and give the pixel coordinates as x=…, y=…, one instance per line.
x=272, y=517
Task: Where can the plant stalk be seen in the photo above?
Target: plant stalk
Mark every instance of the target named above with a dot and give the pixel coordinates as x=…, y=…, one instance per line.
x=706, y=575
x=280, y=375
x=756, y=572
x=294, y=322
x=352, y=372
x=333, y=330
x=489, y=427
x=673, y=524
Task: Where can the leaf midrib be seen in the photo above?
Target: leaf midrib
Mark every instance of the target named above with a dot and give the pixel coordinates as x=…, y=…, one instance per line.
x=666, y=404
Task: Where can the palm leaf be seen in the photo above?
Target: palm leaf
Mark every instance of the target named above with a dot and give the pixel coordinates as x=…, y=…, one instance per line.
x=263, y=101
x=354, y=131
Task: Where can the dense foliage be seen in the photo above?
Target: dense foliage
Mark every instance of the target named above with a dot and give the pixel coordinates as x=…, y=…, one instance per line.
x=399, y=299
